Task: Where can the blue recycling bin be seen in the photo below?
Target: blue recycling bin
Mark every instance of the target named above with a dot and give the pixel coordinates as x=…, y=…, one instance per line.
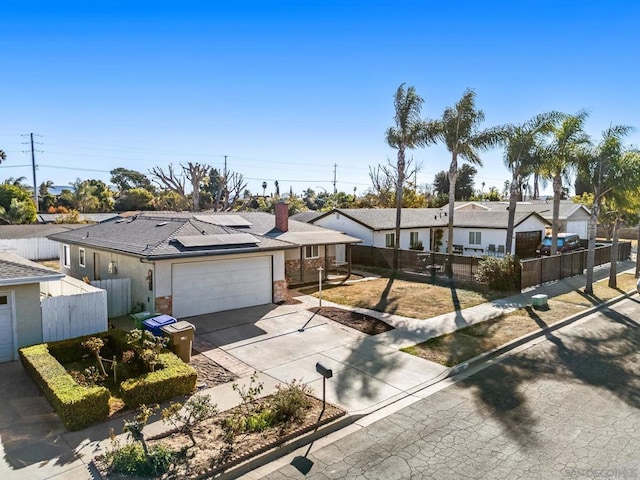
x=155, y=324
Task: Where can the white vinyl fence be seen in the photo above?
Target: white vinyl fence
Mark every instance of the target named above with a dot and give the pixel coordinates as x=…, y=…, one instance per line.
x=118, y=295
x=33, y=248
x=71, y=308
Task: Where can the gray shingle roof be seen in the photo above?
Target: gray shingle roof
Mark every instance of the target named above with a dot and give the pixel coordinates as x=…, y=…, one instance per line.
x=489, y=219
x=305, y=217
x=152, y=234
x=16, y=270
x=385, y=218
x=544, y=209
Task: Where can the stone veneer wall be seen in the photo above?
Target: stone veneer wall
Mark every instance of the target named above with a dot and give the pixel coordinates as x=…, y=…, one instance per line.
x=280, y=293
x=292, y=268
x=164, y=304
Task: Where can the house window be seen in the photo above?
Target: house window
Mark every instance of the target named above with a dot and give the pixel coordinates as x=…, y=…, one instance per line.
x=4, y=300
x=413, y=239
x=311, y=251
x=390, y=240
x=475, y=238
x=66, y=256
x=81, y=258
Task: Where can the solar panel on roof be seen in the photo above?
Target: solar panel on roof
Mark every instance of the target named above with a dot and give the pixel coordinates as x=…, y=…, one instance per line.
x=224, y=220
x=217, y=240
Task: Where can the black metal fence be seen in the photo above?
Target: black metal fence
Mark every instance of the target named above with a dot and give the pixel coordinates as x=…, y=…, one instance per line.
x=533, y=271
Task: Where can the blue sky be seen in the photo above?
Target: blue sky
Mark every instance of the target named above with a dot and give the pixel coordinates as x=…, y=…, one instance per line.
x=288, y=89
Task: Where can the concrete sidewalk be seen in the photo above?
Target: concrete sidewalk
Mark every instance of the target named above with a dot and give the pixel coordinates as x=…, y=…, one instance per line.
x=280, y=343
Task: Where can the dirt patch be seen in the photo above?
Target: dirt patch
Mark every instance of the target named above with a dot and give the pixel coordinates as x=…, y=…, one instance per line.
x=358, y=321
x=212, y=454
x=457, y=347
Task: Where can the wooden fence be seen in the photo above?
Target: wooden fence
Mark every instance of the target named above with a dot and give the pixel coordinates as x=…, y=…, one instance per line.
x=71, y=308
x=118, y=295
x=33, y=248
x=533, y=272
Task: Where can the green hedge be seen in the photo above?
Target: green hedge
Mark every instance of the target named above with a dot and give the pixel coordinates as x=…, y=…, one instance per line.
x=71, y=350
x=173, y=379
x=77, y=406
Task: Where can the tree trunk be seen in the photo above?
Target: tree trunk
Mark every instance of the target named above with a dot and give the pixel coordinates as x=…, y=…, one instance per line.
x=557, y=193
x=453, y=177
x=512, y=213
x=536, y=186
x=399, y=185
x=591, y=248
x=613, y=268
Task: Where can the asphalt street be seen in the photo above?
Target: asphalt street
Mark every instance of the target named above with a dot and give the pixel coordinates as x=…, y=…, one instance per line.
x=567, y=406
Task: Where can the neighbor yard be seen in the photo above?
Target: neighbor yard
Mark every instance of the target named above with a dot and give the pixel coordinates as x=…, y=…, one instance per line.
x=457, y=347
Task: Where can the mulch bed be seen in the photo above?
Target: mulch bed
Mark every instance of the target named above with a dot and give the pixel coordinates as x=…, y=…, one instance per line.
x=358, y=321
x=210, y=374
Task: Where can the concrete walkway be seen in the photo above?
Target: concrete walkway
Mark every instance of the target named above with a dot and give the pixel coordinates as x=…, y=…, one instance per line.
x=280, y=343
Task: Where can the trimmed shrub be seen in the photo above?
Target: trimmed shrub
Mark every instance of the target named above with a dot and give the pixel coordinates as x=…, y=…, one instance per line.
x=77, y=406
x=500, y=274
x=174, y=378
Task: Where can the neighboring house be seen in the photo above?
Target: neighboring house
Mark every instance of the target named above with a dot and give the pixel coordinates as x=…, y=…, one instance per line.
x=476, y=232
x=20, y=311
x=187, y=264
x=31, y=242
x=306, y=217
x=376, y=226
x=573, y=217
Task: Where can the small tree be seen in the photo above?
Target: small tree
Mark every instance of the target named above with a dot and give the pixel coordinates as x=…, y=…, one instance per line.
x=500, y=274
x=194, y=411
x=95, y=344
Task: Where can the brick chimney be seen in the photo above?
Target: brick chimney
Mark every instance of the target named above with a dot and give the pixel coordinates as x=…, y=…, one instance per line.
x=282, y=216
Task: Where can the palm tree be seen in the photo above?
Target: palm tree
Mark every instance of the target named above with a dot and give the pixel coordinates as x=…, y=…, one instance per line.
x=522, y=153
x=3, y=156
x=407, y=133
x=612, y=176
x=459, y=130
x=559, y=159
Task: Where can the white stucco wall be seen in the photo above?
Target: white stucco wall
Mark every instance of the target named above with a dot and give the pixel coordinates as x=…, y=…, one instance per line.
x=340, y=223
x=379, y=238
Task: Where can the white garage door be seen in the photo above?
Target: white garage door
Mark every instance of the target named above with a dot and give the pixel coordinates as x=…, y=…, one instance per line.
x=215, y=286
x=6, y=328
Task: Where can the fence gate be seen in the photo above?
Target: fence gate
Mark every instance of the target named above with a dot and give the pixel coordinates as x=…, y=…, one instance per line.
x=118, y=295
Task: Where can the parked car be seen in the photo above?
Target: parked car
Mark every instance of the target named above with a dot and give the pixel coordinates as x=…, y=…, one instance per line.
x=567, y=242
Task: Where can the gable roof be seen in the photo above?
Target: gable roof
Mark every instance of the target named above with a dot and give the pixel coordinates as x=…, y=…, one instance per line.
x=385, y=218
x=305, y=217
x=497, y=219
x=542, y=207
x=15, y=270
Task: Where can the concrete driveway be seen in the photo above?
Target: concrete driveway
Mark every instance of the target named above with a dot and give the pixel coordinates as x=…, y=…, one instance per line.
x=285, y=342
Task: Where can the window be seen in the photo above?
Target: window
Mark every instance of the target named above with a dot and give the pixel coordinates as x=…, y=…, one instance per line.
x=390, y=240
x=311, y=251
x=413, y=239
x=4, y=300
x=81, y=258
x=66, y=256
x=475, y=238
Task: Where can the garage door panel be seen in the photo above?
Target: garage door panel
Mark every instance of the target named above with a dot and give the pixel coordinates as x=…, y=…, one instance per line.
x=213, y=286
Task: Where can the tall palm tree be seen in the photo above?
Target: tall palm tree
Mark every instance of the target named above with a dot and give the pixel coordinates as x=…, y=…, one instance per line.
x=560, y=157
x=459, y=129
x=522, y=154
x=407, y=133
x=3, y=156
x=612, y=176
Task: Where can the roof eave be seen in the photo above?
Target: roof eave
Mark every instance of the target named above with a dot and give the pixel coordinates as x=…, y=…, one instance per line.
x=27, y=280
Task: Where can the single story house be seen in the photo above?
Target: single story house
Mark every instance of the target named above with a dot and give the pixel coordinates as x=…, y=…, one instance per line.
x=476, y=232
x=573, y=217
x=420, y=228
x=187, y=264
x=20, y=311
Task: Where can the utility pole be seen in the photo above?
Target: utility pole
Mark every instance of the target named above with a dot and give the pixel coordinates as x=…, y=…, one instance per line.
x=335, y=167
x=33, y=167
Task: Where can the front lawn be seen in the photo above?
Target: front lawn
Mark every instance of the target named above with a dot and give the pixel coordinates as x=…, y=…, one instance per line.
x=459, y=346
x=403, y=297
